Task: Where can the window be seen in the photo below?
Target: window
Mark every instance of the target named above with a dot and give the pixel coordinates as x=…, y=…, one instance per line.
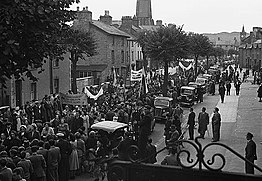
x=123, y=56
x=113, y=43
x=81, y=74
x=123, y=41
x=56, y=63
x=132, y=44
x=141, y=55
x=56, y=85
x=126, y=56
x=33, y=91
x=138, y=55
x=113, y=56
x=132, y=55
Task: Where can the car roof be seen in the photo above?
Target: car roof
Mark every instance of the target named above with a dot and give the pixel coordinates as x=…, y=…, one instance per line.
x=4, y=107
x=165, y=98
x=188, y=87
x=194, y=83
x=108, y=126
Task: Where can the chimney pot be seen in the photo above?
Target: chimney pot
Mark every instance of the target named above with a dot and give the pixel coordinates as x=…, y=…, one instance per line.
x=106, y=13
x=77, y=8
x=86, y=8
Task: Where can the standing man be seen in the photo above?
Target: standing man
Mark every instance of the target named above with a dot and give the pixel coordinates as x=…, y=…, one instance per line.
x=228, y=86
x=251, y=153
x=216, y=123
x=203, y=121
x=65, y=151
x=54, y=158
x=144, y=131
x=222, y=91
x=237, y=86
x=191, y=123
x=259, y=93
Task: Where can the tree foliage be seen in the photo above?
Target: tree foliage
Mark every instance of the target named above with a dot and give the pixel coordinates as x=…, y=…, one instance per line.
x=30, y=32
x=199, y=46
x=168, y=43
x=80, y=44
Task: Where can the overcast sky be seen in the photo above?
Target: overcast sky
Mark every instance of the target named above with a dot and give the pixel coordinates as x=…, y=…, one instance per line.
x=199, y=16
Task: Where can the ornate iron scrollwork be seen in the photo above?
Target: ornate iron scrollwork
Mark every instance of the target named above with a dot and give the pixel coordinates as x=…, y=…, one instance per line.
x=134, y=155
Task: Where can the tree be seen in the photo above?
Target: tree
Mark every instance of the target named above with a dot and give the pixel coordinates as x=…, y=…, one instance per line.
x=29, y=34
x=80, y=45
x=199, y=46
x=218, y=52
x=168, y=43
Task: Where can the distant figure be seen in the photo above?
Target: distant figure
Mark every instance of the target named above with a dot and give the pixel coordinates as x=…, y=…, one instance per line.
x=216, y=123
x=222, y=91
x=259, y=93
x=228, y=86
x=251, y=154
x=237, y=86
x=191, y=123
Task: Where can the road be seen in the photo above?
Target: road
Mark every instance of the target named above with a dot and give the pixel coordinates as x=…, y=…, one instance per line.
x=240, y=114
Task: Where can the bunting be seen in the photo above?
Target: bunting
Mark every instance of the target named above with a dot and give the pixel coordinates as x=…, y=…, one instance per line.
x=95, y=97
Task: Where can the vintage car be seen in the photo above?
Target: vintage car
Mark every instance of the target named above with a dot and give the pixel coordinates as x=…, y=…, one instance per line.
x=188, y=96
x=162, y=105
x=198, y=86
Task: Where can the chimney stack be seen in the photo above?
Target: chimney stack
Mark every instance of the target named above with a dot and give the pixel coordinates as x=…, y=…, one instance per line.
x=77, y=8
x=83, y=19
x=107, y=19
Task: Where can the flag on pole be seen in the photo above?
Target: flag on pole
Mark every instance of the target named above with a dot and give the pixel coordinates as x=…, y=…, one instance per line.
x=143, y=84
x=114, y=76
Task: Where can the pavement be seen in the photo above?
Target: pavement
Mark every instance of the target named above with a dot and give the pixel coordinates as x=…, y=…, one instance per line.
x=240, y=114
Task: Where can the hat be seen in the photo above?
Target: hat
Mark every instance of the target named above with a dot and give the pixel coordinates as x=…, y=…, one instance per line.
x=60, y=134
x=250, y=135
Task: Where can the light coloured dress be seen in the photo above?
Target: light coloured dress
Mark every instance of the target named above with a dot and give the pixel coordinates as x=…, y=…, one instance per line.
x=73, y=159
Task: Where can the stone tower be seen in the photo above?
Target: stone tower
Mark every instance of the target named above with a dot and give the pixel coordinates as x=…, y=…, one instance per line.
x=243, y=34
x=144, y=12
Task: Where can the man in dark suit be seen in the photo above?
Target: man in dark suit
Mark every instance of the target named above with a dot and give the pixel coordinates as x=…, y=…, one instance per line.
x=191, y=123
x=65, y=151
x=34, y=134
x=39, y=165
x=203, y=121
x=54, y=158
x=26, y=165
x=76, y=123
x=251, y=154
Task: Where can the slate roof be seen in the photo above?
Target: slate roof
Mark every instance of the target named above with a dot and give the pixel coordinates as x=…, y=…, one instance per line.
x=109, y=29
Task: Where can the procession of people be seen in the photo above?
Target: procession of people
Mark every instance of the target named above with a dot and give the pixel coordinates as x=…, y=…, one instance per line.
x=48, y=140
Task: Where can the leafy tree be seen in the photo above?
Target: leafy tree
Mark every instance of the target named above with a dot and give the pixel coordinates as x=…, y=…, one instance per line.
x=29, y=34
x=218, y=52
x=168, y=43
x=232, y=52
x=199, y=46
x=80, y=45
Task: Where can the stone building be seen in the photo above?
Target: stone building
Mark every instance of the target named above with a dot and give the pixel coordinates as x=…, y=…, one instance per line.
x=144, y=12
x=112, y=47
x=250, y=53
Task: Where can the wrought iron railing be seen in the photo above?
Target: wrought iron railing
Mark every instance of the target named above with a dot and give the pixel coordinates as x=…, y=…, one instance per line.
x=134, y=155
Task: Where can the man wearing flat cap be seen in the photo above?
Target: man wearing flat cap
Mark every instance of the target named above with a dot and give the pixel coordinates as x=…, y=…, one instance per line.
x=251, y=153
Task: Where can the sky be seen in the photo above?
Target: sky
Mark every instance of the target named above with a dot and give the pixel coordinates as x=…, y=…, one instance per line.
x=199, y=16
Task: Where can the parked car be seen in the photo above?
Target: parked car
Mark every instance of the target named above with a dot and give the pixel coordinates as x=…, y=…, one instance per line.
x=162, y=105
x=188, y=96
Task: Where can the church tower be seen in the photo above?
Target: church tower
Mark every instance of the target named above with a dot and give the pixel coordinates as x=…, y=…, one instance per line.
x=243, y=34
x=144, y=12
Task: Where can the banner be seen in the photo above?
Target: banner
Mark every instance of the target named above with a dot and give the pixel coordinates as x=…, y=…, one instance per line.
x=73, y=99
x=186, y=68
x=95, y=97
x=136, y=75
x=143, y=84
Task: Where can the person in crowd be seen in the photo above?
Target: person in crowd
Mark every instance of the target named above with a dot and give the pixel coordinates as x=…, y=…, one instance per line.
x=228, y=87
x=216, y=123
x=65, y=151
x=14, y=156
x=124, y=145
x=191, y=123
x=26, y=164
x=178, y=111
x=7, y=130
x=53, y=160
x=14, y=141
x=222, y=91
x=42, y=150
x=47, y=131
x=34, y=133
x=76, y=123
x=6, y=173
x=73, y=159
x=81, y=151
x=237, y=87
x=145, y=130
x=17, y=175
x=171, y=159
x=151, y=151
x=203, y=121
x=259, y=93
x=250, y=153
x=39, y=165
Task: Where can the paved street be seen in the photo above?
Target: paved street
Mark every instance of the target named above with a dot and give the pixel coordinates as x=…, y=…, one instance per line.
x=240, y=114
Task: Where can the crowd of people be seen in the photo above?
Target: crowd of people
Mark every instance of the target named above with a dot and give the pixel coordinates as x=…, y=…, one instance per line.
x=47, y=140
